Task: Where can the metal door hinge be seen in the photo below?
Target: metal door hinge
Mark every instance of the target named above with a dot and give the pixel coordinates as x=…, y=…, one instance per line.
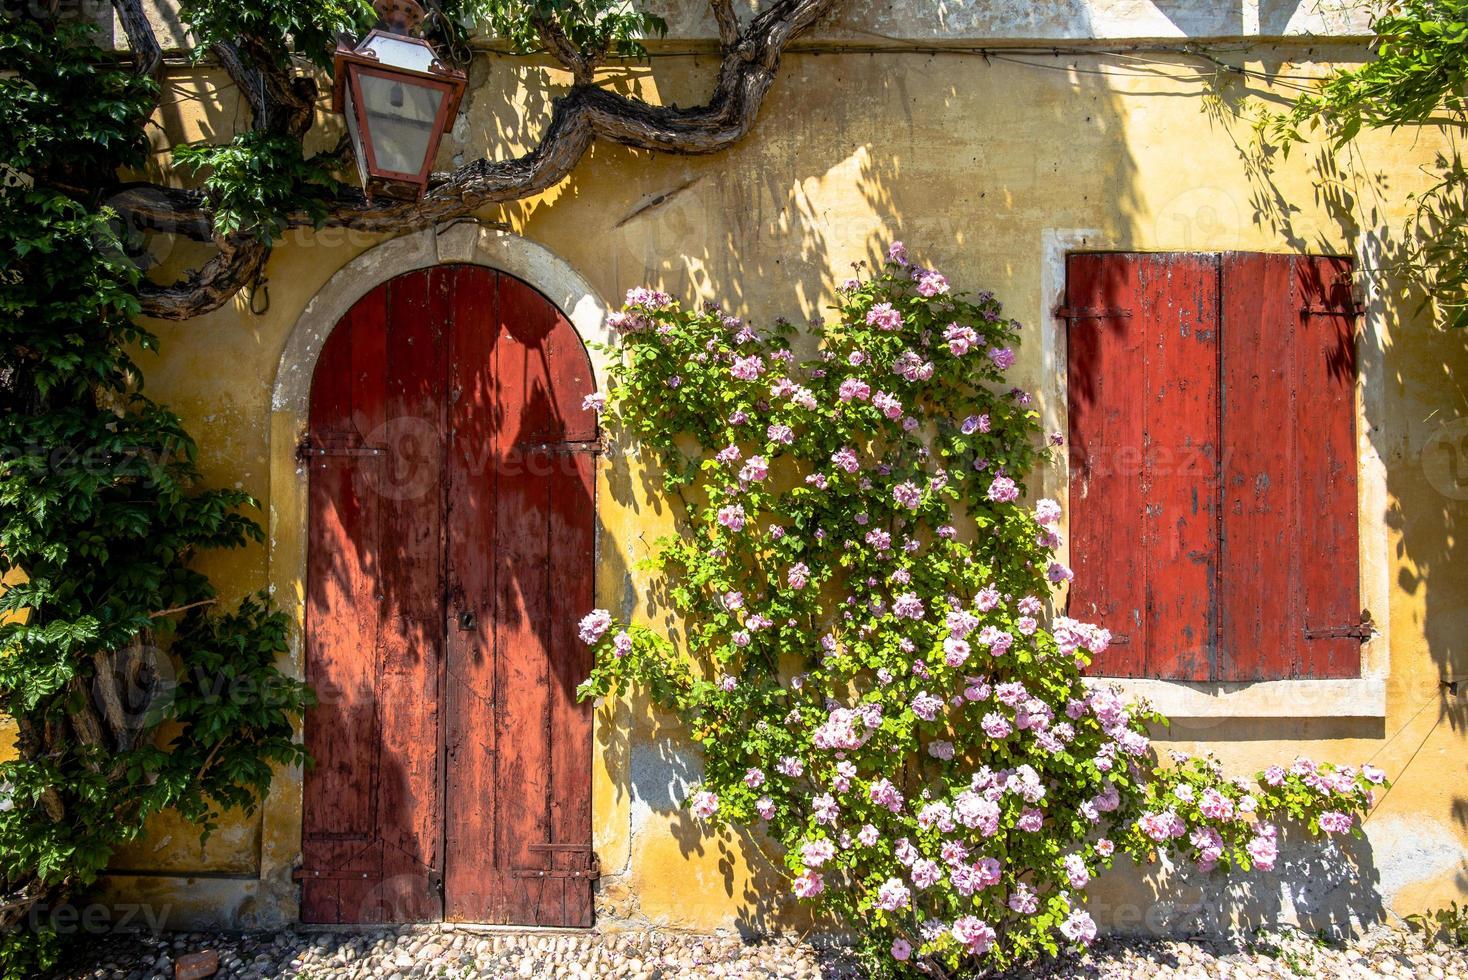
x=330, y=874
x=591, y=870
x=305, y=450
x=1090, y=312
x=1361, y=631
x=1355, y=309
x=592, y=446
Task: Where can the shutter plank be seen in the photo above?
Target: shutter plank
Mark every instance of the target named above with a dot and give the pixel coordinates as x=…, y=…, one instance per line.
x=1326, y=523
x=522, y=612
x=1106, y=426
x=1260, y=614
x=1178, y=299
x=1143, y=488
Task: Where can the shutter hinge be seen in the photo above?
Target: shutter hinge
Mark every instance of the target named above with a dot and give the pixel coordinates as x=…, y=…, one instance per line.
x=1355, y=309
x=1090, y=312
x=1362, y=631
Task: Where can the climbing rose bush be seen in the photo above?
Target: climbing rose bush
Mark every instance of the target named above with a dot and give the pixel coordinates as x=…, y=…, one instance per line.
x=872, y=660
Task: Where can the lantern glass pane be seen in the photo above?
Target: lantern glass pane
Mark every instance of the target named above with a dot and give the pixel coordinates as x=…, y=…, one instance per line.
x=400, y=52
x=400, y=117
x=355, y=131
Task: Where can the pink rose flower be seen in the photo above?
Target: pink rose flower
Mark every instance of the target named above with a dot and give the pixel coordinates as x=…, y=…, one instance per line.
x=893, y=895
x=973, y=934
x=907, y=495
x=884, y=317
x=594, y=625
x=1079, y=928
x=809, y=885
x=1003, y=490
x=705, y=804
x=748, y=368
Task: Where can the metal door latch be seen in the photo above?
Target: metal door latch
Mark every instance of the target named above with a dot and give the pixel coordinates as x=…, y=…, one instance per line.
x=1361, y=631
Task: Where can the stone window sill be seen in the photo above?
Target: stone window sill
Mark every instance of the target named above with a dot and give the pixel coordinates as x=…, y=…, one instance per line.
x=1356, y=697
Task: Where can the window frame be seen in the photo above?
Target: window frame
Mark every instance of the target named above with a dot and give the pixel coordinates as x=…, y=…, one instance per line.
x=1363, y=696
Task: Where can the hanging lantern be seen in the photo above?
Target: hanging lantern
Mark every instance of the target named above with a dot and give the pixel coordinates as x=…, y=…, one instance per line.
x=398, y=99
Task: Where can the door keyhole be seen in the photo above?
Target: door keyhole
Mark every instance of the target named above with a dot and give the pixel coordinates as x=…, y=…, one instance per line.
x=466, y=620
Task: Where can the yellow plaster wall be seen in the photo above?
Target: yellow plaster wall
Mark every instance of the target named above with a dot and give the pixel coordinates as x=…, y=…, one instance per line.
x=971, y=161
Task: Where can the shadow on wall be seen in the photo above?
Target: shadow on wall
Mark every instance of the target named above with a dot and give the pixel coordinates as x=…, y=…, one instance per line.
x=1418, y=423
x=1328, y=890
x=939, y=153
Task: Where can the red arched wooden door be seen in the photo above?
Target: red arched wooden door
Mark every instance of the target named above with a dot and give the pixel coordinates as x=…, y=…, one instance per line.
x=450, y=556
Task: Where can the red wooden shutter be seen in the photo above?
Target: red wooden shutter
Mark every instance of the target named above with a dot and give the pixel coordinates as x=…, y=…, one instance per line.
x=1143, y=351
x=1209, y=566
x=1290, y=586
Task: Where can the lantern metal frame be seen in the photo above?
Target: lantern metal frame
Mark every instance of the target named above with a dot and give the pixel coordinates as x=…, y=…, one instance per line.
x=349, y=65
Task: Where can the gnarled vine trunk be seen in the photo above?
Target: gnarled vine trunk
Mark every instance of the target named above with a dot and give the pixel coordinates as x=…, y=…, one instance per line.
x=750, y=60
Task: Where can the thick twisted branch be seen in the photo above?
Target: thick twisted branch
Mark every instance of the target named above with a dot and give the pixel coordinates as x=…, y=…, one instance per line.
x=554, y=39
x=289, y=100
x=246, y=80
x=147, y=54
x=728, y=22
x=584, y=114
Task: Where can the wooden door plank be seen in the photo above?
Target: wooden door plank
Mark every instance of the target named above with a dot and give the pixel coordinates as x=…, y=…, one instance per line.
x=410, y=486
x=522, y=606
x=1178, y=304
x=1258, y=597
x=1106, y=437
x=572, y=535
x=339, y=814
x=1325, y=524
x=569, y=372
x=469, y=694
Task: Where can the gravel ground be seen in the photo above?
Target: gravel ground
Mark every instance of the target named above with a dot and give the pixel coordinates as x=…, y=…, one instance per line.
x=404, y=954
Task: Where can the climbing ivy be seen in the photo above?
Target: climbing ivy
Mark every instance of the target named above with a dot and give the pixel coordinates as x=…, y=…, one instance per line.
x=258, y=178
x=593, y=27
x=1418, y=77
x=277, y=28
x=133, y=688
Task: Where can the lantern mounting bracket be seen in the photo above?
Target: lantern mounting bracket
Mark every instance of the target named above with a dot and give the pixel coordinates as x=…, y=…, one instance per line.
x=399, y=16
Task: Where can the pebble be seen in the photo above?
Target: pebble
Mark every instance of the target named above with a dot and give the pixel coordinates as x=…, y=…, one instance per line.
x=410, y=953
